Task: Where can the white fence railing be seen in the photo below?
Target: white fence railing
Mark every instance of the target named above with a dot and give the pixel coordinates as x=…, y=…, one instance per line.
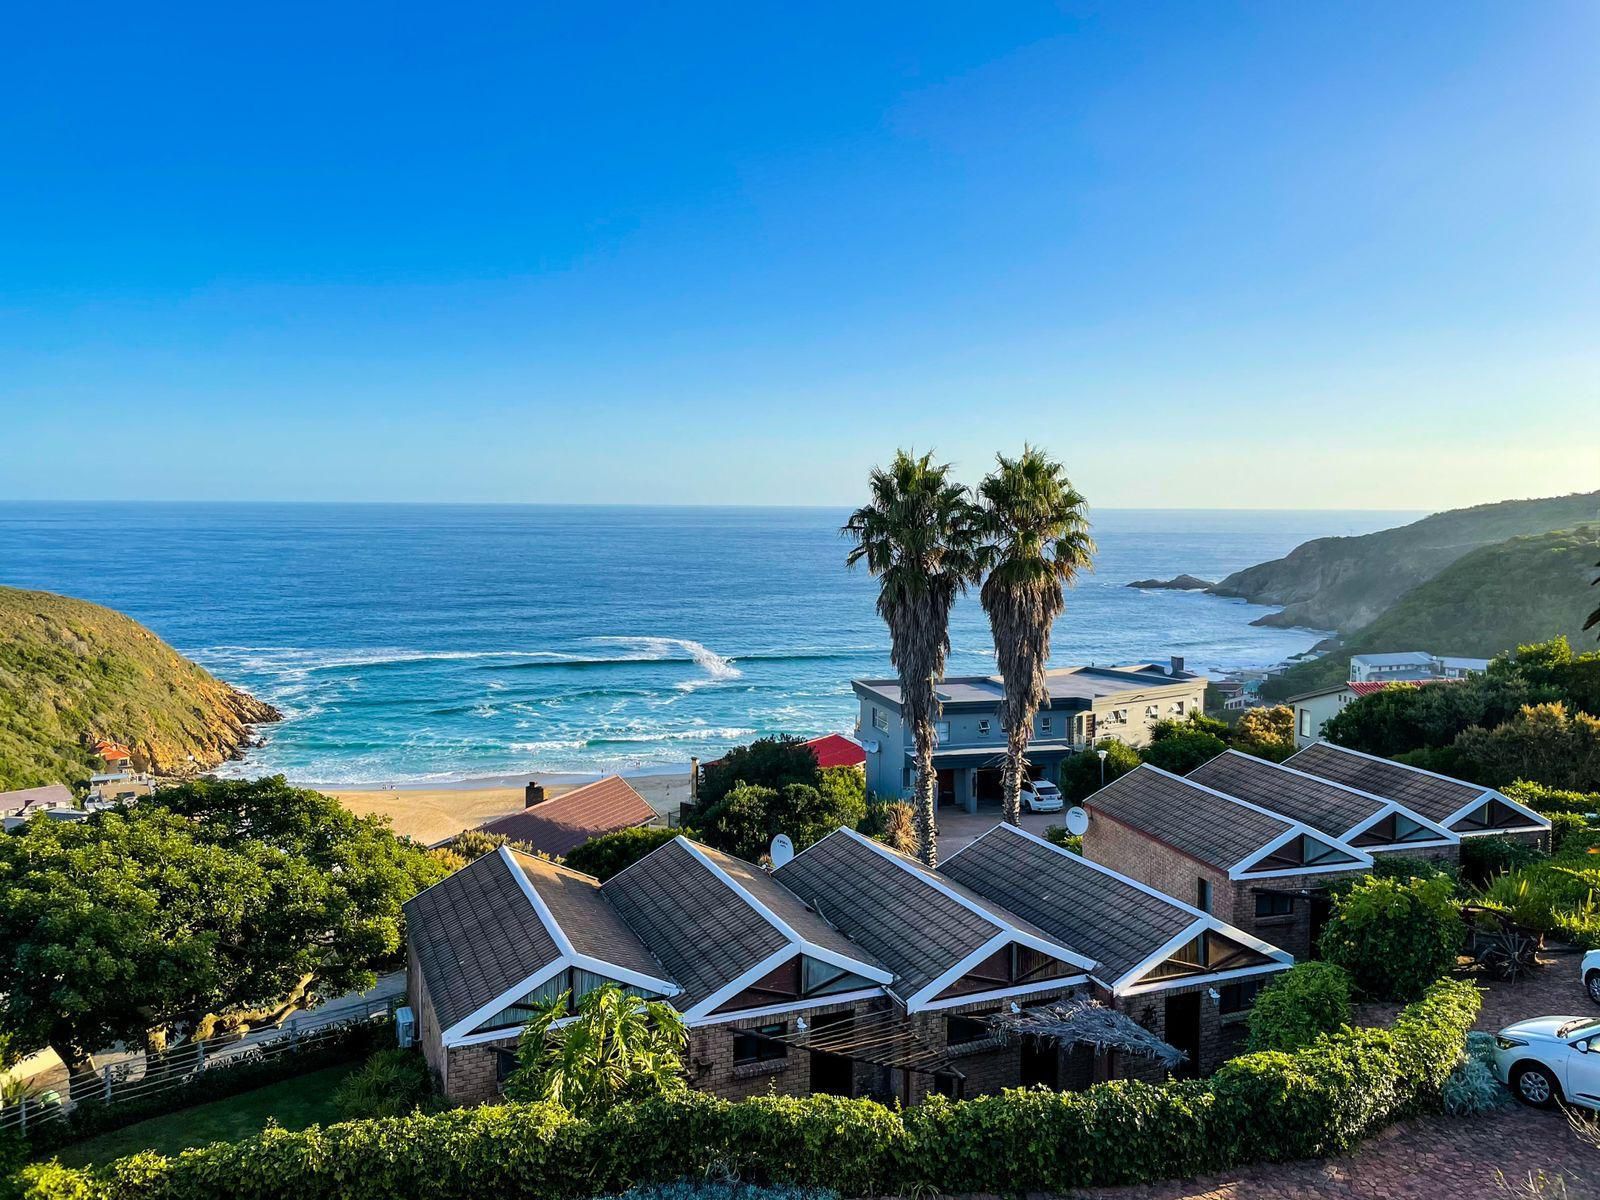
x=138, y=1076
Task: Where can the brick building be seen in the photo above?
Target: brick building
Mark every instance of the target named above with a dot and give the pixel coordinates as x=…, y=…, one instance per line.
x=1465, y=809
x=1258, y=870
x=851, y=969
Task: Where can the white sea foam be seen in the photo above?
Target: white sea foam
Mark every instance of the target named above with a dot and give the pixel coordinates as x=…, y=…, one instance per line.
x=715, y=665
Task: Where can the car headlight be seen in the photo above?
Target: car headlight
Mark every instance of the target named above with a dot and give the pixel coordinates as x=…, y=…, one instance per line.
x=1508, y=1043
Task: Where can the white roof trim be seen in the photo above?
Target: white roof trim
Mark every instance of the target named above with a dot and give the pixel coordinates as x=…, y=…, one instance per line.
x=1063, y=983
x=739, y=982
x=855, y=966
x=1395, y=808
x=1540, y=823
x=778, y=1010
x=1241, y=869
x=931, y=878
x=925, y=997
x=1128, y=983
x=1161, y=985
x=515, y=992
x=552, y=927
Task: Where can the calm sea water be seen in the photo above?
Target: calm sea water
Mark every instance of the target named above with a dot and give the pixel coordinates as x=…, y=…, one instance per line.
x=421, y=643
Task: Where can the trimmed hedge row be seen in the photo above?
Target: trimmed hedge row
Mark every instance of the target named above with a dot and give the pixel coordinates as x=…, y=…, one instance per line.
x=1320, y=1100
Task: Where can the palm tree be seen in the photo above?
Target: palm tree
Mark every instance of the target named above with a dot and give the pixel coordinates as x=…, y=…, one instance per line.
x=1035, y=541
x=616, y=1048
x=918, y=536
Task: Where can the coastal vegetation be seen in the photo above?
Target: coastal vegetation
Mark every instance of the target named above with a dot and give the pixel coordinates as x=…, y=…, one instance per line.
x=1528, y=718
x=917, y=535
x=206, y=906
x=1268, y=1106
x=1526, y=589
x=1345, y=583
x=606, y=855
x=1299, y=1006
x=1394, y=936
x=72, y=672
x=1179, y=746
x=1033, y=541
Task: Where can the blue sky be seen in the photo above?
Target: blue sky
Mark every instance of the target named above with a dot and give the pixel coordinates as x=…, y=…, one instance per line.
x=1212, y=255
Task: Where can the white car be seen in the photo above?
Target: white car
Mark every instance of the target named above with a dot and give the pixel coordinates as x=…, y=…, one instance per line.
x=1040, y=795
x=1589, y=972
x=1551, y=1059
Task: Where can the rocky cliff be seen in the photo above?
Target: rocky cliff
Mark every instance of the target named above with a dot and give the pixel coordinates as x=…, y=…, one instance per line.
x=72, y=672
x=1346, y=583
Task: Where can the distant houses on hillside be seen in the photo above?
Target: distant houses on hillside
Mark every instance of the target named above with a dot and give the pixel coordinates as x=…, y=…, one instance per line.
x=1369, y=673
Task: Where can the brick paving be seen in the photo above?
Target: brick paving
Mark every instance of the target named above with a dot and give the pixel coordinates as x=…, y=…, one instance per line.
x=1434, y=1158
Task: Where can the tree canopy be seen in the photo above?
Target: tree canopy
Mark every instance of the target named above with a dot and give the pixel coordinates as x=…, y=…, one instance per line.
x=770, y=762
x=137, y=923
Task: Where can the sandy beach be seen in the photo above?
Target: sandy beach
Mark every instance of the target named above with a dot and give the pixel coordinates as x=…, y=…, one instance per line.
x=433, y=813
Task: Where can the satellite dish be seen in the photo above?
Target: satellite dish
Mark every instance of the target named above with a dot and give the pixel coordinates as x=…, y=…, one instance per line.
x=1077, y=820
x=782, y=850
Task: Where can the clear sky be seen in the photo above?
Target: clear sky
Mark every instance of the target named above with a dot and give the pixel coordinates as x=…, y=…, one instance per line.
x=1212, y=255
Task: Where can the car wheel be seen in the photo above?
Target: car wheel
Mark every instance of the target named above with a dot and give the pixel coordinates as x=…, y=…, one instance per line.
x=1591, y=984
x=1535, y=1084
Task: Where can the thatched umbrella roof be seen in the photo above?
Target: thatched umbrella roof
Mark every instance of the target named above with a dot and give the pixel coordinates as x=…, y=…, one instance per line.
x=1089, y=1023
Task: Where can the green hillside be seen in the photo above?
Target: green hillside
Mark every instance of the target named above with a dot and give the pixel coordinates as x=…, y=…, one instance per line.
x=1346, y=583
x=1525, y=589
x=71, y=672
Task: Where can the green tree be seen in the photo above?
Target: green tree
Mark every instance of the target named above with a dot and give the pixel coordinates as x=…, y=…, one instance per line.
x=1394, y=936
x=750, y=816
x=1035, y=541
x=918, y=536
x=1543, y=744
x=1265, y=732
x=613, y=852
x=1080, y=773
x=617, y=1049
x=138, y=925
x=1180, y=746
x=768, y=762
x=1298, y=1006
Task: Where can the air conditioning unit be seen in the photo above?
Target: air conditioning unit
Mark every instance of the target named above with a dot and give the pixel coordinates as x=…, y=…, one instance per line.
x=405, y=1027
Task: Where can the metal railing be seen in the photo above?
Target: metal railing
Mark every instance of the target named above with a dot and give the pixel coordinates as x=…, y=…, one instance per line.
x=139, y=1075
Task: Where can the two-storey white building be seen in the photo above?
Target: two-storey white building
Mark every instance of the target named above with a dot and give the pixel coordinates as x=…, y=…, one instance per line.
x=1086, y=704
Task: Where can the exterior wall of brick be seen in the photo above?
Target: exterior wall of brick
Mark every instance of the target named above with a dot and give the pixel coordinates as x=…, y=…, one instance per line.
x=1153, y=863
x=712, y=1067
x=472, y=1076
x=1218, y=1036
x=988, y=1066
x=428, y=1031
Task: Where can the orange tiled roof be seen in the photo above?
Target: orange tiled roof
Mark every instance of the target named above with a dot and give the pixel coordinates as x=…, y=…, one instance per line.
x=565, y=823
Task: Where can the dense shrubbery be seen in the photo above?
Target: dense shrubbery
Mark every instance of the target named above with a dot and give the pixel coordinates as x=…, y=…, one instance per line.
x=1482, y=858
x=1058, y=835
x=1079, y=774
x=390, y=1083
x=770, y=762
x=1270, y=1106
x=1299, y=1006
x=606, y=855
x=1549, y=800
x=774, y=786
x=892, y=822
x=473, y=844
x=1394, y=936
x=1181, y=746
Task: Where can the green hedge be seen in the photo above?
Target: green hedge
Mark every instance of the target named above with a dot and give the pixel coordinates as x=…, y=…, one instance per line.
x=1321, y=1100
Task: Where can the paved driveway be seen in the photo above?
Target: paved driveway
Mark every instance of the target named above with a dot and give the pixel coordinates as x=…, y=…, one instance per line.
x=957, y=828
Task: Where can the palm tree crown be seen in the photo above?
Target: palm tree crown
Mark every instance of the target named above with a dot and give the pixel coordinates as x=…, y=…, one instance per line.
x=1035, y=541
x=917, y=535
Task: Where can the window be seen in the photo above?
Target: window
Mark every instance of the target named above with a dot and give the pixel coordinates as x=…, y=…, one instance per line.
x=880, y=720
x=1305, y=722
x=983, y=728
x=1178, y=708
x=1237, y=997
x=1152, y=711
x=1044, y=724
x=1274, y=904
x=1203, y=903
x=941, y=731
x=574, y=980
x=757, y=1045
x=963, y=1031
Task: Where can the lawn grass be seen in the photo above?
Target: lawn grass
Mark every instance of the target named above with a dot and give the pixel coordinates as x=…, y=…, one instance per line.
x=293, y=1103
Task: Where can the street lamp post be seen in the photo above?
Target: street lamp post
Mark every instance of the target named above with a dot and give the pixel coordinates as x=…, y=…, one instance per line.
x=1102, y=755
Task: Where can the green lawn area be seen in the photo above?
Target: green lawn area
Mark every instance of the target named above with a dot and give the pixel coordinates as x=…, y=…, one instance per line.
x=293, y=1103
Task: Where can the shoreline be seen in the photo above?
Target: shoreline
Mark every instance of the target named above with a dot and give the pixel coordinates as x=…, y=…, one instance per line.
x=434, y=812
x=473, y=783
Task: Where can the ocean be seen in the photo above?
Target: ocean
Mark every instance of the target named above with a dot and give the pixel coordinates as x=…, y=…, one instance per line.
x=441, y=643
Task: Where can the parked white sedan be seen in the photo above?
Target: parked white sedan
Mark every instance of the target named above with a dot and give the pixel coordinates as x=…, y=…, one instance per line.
x=1040, y=795
x=1589, y=972
x=1551, y=1059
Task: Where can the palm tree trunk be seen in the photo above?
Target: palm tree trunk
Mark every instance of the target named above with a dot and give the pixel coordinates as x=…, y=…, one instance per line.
x=1011, y=777
x=927, y=784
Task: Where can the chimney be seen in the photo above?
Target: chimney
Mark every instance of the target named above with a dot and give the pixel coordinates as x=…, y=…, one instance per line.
x=1177, y=664
x=532, y=794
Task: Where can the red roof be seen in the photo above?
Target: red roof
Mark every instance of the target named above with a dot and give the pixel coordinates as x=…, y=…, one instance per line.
x=836, y=750
x=1377, y=685
x=563, y=824
x=111, y=750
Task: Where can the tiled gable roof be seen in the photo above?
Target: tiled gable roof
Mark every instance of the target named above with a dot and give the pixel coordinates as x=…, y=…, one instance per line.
x=1431, y=795
x=476, y=934
x=1109, y=919
x=561, y=825
x=1316, y=803
x=590, y=924
x=1211, y=828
